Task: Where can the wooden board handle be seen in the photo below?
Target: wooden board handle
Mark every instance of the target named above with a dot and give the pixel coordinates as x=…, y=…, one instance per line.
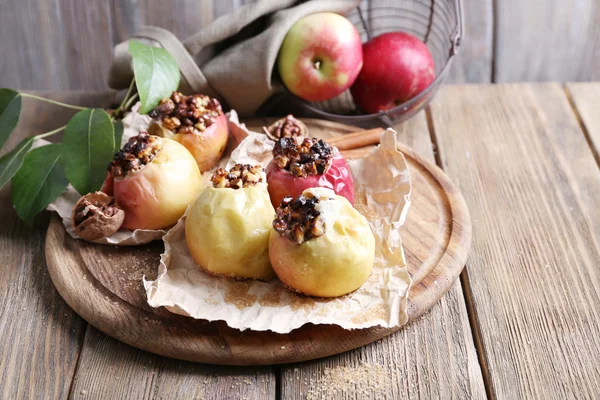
x=356, y=140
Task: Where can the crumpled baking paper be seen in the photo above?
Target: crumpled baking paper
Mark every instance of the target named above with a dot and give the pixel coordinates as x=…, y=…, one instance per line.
x=133, y=123
x=382, y=192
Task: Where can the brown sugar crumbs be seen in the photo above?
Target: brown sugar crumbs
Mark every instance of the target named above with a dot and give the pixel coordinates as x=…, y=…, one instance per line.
x=311, y=157
x=298, y=219
x=139, y=151
x=187, y=114
x=239, y=176
x=238, y=295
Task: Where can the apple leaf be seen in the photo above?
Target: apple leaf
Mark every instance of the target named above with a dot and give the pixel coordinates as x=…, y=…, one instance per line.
x=12, y=161
x=87, y=148
x=119, y=128
x=156, y=74
x=10, y=109
x=39, y=181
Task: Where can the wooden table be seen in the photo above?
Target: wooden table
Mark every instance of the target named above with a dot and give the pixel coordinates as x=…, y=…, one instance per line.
x=522, y=322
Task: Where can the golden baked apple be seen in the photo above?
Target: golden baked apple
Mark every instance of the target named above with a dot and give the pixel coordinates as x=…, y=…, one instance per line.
x=227, y=228
x=197, y=122
x=320, y=245
x=153, y=180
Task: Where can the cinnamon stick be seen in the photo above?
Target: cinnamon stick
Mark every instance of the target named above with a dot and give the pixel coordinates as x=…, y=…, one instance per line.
x=356, y=140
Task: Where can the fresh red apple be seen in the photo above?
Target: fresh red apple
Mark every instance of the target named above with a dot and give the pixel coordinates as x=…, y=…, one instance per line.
x=397, y=67
x=320, y=57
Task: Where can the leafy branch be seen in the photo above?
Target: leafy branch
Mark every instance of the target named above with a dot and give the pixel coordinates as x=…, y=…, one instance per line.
x=91, y=137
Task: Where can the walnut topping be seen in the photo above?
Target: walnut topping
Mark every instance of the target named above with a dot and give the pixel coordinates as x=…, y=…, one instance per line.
x=299, y=219
x=239, y=176
x=288, y=127
x=137, y=152
x=311, y=157
x=187, y=114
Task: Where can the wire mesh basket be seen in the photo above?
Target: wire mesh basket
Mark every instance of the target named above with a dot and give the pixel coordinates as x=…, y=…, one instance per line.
x=438, y=23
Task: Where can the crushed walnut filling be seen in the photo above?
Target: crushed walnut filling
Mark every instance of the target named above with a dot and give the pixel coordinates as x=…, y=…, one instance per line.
x=137, y=152
x=298, y=219
x=187, y=114
x=85, y=209
x=239, y=176
x=288, y=127
x=311, y=157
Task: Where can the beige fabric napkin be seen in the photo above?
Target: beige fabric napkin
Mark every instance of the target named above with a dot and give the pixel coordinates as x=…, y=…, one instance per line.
x=233, y=58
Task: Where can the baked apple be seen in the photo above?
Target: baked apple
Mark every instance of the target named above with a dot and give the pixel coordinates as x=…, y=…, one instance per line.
x=153, y=179
x=197, y=122
x=320, y=245
x=312, y=163
x=227, y=228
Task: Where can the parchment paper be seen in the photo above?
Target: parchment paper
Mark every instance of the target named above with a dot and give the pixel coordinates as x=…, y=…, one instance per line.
x=382, y=190
x=133, y=123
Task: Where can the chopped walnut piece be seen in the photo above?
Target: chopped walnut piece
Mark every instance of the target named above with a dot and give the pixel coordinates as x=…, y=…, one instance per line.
x=187, y=114
x=311, y=157
x=298, y=219
x=288, y=127
x=137, y=152
x=239, y=176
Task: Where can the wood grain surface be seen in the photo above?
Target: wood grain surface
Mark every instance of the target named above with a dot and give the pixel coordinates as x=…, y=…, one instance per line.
x=533, y=188
x=550, y=40
x=586, y=102
x=103, y=283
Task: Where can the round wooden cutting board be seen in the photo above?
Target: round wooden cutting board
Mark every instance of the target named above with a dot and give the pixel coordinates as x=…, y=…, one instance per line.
x=103, y=284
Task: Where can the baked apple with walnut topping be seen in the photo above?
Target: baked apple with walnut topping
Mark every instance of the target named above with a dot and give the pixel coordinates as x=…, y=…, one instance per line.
x=311, y=163
x=153, y=179
x=227, y=228
x=320, y=245
x=197, y=122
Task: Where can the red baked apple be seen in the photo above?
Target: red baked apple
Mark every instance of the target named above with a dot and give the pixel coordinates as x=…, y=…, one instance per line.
x=312, y=163
x=153, y=180
x=197, y=122
x=320, y=57
x=397, y=66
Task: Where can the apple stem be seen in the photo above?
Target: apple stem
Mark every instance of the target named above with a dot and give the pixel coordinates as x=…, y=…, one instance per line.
x=317, y=64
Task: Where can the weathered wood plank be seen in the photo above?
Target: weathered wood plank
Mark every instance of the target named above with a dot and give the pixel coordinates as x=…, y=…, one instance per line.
x=533, y=188
x=183, y=18
x=109, y=369
x=586, y=98
x=434, y=357
x=41, y=335
x=473, y=63
x=552, y=40
x=55, y=44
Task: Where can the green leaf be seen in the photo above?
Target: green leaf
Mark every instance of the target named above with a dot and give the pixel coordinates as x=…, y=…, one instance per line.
x=119, y=128
x=87, y=149
x=12, y=161
x=10, y=109
x=156, y=74
x=39, y=181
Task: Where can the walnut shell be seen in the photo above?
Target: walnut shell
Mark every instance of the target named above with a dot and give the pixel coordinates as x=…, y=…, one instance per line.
x=96, y=215
x=286, y=127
